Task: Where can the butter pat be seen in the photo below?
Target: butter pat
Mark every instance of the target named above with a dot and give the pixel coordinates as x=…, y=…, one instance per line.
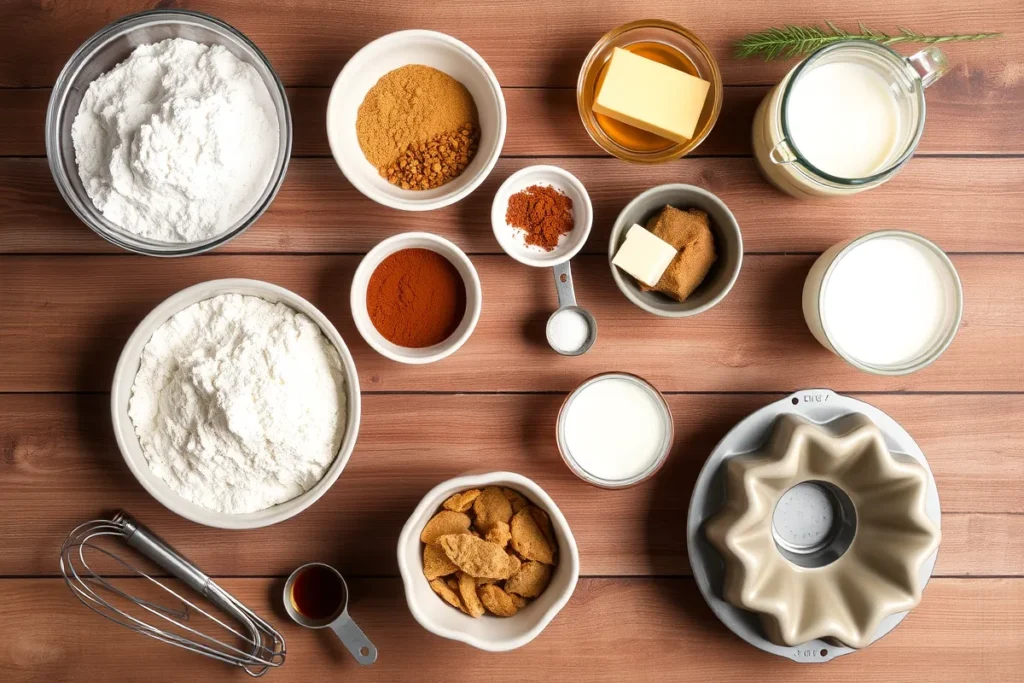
x=651, y=96
x=644, y=255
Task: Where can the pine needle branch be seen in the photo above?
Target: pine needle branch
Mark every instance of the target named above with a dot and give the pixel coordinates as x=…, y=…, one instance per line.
x=796, y=41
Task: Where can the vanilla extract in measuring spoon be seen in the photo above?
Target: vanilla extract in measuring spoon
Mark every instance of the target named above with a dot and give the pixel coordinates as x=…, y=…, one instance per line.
x=615, y=430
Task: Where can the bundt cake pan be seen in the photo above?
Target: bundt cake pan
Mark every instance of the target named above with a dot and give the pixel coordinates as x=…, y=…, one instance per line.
x=814, y=526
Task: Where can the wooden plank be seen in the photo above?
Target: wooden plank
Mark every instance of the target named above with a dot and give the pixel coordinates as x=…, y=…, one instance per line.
x=612, y=630
x=545, y=122
x=63, y=321
x=309, y=43
x=59, y=465
x=964, y=204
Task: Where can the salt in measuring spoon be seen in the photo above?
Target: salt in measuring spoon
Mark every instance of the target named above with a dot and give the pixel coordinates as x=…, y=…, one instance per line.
x=567, y=307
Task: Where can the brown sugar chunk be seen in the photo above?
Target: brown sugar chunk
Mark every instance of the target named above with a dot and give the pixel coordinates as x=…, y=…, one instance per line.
x=491, y=506
x=440, y=587
x=498, y=602
x=499, y=533
x=530, y=581
x=436, y=563
x=467, y=590
x=528, y=540
x=689, y=232
x=461, y=502
x=477, y=557
x=444, y=523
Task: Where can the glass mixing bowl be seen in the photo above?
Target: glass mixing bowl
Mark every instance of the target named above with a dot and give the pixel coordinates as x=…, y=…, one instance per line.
x=102, y=52
x=649, y=31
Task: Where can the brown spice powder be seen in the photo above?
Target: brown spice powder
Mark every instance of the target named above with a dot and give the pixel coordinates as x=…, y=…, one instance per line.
x=411, y=106
x=416, y=298
x=543, y=213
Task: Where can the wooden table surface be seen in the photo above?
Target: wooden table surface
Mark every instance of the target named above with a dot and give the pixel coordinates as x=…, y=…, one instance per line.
x=68, y=301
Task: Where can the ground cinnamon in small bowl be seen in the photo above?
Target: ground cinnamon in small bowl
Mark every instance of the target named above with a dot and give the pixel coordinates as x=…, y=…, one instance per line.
x=416, y=298
x=543, y=213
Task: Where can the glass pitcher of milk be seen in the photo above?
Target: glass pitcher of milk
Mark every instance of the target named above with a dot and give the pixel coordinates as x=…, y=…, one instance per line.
x=845, y=119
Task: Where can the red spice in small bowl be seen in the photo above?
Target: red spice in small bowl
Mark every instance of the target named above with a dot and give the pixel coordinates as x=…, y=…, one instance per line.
x=543, y=213
x=416, y=298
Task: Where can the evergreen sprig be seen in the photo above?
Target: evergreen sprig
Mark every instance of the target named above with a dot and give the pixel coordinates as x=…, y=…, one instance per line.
x=796, y=41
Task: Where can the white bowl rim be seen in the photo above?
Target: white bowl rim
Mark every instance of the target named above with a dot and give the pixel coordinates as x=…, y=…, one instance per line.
x=431, y=501
x=282, y=511
x=585, y=219
x=474, y=299
x=444, y=200
x=620, y=282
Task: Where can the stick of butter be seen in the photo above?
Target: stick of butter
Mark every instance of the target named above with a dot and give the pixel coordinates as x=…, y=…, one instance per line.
x=650, y=96
x=644, y=255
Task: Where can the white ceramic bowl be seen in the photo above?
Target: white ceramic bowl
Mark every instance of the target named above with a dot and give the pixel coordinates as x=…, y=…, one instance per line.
x=416, y=240
x=495, y=634
x=128, y=441
x=512, y=240
x=391, y=52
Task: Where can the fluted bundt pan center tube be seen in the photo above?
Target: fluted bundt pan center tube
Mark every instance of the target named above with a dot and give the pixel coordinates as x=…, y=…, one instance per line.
x=814, y=526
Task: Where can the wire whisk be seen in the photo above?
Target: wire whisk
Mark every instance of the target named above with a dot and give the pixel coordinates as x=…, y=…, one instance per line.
x=257, y=646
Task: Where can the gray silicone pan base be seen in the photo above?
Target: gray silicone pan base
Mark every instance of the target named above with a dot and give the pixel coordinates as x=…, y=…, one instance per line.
x=820, y=406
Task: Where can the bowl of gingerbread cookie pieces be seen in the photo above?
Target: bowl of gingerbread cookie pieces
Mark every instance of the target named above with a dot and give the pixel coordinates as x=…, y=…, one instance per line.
x=488, y=560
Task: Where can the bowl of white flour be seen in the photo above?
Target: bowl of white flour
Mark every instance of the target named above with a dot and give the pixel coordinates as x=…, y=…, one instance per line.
x=236, y=403
x=168, y=133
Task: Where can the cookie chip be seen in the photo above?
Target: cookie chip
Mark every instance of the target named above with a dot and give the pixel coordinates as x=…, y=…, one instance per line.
x=461, y=502
x=446, y=593
x=443, y=523
x=499, y=533
x=528, y=540
x=498, y=602
x=517, y=499
x=530, y=581
x=544, y=522
x=436, y=563
x=491, y=506
x=467, y=589
x=477, y=557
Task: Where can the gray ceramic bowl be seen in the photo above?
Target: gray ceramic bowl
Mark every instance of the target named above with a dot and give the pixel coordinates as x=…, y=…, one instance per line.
x=728, y=244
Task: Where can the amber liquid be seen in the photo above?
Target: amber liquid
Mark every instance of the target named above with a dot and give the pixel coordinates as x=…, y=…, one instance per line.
x=317, y=593
x=631, y=137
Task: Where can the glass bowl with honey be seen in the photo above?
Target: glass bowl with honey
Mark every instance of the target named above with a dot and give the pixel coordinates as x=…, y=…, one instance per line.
x=660, y=41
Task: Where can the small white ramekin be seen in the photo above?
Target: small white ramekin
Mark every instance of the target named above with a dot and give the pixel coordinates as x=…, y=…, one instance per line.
x=391, y=52
x=512, y=239
x=416, y=240
x=128, y=368
x=494, y=634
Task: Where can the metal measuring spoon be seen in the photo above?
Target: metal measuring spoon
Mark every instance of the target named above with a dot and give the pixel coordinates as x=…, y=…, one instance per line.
x=340, y=622
x=567, y=302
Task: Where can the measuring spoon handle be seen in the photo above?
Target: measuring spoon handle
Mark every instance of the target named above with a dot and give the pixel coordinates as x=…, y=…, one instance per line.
x=563, y=285
x=354, y=639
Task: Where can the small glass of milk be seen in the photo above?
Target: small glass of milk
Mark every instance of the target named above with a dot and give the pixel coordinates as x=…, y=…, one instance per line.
x=845, y=119
x=888, y=302
x=615, y=430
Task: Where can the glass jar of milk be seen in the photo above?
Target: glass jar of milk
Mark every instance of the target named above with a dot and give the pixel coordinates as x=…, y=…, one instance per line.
x=845, y=119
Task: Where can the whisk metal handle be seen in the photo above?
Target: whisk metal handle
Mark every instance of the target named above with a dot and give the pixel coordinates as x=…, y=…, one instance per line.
x=166, y=557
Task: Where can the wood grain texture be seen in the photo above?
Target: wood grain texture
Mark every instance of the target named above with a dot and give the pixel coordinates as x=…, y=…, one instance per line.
x=64, y=320
x=59, y=465
x=963, y=204
x=523, y=45
x=545, y=121
x=614, y=630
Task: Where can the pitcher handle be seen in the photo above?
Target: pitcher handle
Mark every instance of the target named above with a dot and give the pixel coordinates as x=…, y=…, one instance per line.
x=930, y=64
x=782, y=153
